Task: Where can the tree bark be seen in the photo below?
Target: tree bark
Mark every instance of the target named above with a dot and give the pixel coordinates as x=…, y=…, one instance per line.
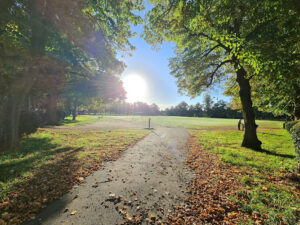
x=74, y=113
x=250, y=137
x=51, y=109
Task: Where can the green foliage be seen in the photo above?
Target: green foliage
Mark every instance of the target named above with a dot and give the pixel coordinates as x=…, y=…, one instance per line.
x=214, y=39
x=294, y=129
x=209, y=34
x=55, y=55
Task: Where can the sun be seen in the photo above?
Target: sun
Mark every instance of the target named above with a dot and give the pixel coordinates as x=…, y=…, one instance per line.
x=135, y=87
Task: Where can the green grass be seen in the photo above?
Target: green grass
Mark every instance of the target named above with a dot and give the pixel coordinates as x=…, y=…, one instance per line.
x=81, y=120
x=277, y=142
x=258, y=195
x=46, y=146
x=191, y=122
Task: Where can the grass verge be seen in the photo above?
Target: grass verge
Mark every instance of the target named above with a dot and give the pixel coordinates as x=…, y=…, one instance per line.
x=49, y=162
x=264, y=193
x=81, y=120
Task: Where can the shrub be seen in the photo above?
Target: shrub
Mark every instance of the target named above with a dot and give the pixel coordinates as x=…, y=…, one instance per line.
x=294, y=129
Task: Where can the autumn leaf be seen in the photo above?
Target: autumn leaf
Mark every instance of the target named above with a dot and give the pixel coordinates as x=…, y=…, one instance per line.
x=264, y=188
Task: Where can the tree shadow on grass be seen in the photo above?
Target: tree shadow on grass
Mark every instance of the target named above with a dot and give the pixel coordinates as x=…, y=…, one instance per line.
x=31, y=152
x=48, y=183
x=67, y=121
x=277, y=135
x=277, y=154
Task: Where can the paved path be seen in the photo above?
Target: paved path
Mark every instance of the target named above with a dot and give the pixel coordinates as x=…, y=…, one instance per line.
x=147, y=180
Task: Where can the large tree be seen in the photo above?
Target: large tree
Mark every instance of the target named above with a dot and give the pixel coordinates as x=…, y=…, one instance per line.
x=211, y=37
x=46, y=46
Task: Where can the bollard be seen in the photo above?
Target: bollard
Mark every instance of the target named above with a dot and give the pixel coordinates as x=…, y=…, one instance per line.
x=149, y=121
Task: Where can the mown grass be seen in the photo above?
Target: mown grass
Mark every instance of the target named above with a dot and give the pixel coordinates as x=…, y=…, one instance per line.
x=47, y=145
x=264, y=191
x=192, y=122
x=81, y=120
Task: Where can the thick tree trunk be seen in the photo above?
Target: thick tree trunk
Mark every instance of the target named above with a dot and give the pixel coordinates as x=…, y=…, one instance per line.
x=51, y=109
x=250, y=137
x=15, y=106
x=74, y=113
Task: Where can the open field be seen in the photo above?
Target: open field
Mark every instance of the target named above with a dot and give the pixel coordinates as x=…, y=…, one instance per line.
x=191, y=122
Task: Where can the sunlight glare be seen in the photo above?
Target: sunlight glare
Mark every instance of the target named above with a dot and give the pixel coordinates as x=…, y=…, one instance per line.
x=135, y=87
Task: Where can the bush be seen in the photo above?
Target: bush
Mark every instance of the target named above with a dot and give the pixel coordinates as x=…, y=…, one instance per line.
x=294, y=129
x=29, y=122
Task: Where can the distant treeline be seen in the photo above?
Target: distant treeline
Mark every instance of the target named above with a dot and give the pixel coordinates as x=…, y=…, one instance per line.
x=220, y=109
x=137, y=108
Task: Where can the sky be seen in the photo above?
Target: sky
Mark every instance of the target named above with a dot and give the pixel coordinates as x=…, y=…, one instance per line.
x=152, y=66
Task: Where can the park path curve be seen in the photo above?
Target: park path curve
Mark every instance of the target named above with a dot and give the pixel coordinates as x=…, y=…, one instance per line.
x=147, y=180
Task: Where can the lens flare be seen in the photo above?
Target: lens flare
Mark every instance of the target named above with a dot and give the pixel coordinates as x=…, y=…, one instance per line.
x=135, y=87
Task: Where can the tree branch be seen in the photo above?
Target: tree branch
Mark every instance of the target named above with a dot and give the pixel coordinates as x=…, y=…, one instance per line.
x=208, y=37
x=210, y=50
x=215, y=70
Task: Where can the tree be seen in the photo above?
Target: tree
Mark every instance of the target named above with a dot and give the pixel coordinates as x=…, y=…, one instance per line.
x=198, y=109
x=212, y=37
x=154, y=110
x=208, y=102
x=219, y=109
x=48, y=46
x=97, y=90
x=182, y=109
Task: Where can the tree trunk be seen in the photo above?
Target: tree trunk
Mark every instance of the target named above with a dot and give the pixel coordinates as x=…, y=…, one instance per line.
x=51, y=109
x=250, y=137
x=296, y=112
x=74, y=113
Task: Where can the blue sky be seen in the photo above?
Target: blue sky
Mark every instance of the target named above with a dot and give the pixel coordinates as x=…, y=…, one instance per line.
x=152, y=66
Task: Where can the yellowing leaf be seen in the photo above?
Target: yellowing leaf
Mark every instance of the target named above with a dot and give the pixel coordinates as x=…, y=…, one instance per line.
x=264, y=188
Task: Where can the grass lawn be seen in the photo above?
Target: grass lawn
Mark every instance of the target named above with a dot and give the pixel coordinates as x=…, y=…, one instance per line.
x=264, y=191
x=48, y=163
x=192, y=122
x=81, y=120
